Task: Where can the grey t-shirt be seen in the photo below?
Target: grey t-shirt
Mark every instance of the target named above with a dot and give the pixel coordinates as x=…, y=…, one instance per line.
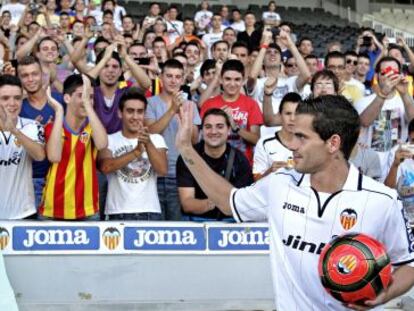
x=155, y=110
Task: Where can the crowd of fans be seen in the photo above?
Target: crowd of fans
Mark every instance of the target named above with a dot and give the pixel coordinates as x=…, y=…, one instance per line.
x=89, y=102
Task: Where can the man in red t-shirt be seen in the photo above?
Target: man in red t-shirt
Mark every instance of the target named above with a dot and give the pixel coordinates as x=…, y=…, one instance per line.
x=245, y=115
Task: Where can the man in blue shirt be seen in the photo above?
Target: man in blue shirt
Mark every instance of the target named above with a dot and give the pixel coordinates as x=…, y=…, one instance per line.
x=36, y=107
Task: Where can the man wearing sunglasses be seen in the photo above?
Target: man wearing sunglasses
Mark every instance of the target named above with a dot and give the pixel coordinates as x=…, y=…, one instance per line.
x=351, y=62
x=386, y=113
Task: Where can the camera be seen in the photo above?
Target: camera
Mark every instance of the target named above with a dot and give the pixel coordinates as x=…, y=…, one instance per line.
x=275, y=31
x=142, y=60
x=34, y=8
x=366, y=41
x=96, y=28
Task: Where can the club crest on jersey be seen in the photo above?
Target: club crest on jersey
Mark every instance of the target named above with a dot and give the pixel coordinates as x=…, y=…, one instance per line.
x=347, y=264
x=348, y=218
x=4, y=238
x=111, y=237
x=84, y=137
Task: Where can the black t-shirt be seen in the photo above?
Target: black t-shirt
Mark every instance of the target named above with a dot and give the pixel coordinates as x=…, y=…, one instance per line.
x=253, y=41
x=241, y=175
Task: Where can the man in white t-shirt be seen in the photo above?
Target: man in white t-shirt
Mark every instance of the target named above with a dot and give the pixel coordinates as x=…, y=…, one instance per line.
x=175, y=28
x=272, y=152
x=21, y=141
x=133, y=160
x=385, y=114
x=270, y=57
x=16, y=10
x=215, y=34
x=304, y=206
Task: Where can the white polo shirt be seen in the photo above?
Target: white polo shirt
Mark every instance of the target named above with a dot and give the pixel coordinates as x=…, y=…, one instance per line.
x=302, y=221
x=268, y=150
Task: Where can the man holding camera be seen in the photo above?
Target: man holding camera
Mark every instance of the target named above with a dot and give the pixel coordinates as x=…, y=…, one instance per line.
x=385, y=114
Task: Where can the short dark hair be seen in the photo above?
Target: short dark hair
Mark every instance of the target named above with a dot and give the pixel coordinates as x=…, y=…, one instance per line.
x=393, y=46
x=364, y=55
x=311, y=56
x=127, y=16
x=44, y=39
x=207, y=65
x=304, y=39
x=232, y=65
x=115, y=56
x=290, y=97
x=351, y=53
x=72, y=83
x=216, y=112
x=158, y=39
x=213, y=47
x=64, y=14
x=386, y=59
x=130, y=94
x=99, y=40
x=172, y=63
x=240, y=44
x=28, y=60
x=106, y=12
x=10, y=80
x=325, y=74
x=333, y=54
x=333, y=114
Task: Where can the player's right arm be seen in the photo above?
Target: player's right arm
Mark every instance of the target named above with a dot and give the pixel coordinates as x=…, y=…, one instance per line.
x=214, y=186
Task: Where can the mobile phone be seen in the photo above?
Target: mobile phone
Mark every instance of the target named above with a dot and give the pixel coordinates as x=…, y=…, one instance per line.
x=142, y=60
x=390, y=69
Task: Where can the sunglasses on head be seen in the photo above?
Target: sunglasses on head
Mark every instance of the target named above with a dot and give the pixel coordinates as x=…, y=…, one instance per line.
x=350, y=61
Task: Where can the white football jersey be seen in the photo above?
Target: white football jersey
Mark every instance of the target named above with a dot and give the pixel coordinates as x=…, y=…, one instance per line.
x=17, y=198
x=302, y=221
x=268, y=150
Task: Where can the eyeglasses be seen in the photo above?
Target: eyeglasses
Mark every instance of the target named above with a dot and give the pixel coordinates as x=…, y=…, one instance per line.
x=350, y=61
x=291, y=65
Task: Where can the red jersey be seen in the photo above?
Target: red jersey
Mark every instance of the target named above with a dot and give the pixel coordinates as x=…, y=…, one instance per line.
x=245, y=112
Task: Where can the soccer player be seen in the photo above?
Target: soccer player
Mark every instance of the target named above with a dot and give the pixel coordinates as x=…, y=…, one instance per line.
x=72, y=144
x=133, y=160
x=21, y=141
x=304, y=206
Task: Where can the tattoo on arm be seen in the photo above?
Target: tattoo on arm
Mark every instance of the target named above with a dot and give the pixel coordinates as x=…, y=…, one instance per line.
x=188, y=161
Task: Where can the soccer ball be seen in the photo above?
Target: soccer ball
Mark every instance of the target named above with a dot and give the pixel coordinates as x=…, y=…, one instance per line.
x=354, y=268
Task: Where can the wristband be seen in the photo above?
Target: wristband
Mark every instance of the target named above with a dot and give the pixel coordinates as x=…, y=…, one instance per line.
x=264, y=46
x=268, y=94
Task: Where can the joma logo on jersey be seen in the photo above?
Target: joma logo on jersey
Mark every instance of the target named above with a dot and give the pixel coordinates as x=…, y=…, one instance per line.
x=296, y=242
x=164, y=237
x=294, y=208
x=348, y=218
x=55, y=237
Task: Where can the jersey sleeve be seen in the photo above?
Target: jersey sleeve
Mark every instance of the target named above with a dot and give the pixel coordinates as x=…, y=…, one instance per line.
x=35, y=132
x=260, y=159
x=398, y=236
x=250, y=203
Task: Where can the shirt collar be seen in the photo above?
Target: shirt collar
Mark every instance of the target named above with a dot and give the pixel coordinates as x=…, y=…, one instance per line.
x=353, y=181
